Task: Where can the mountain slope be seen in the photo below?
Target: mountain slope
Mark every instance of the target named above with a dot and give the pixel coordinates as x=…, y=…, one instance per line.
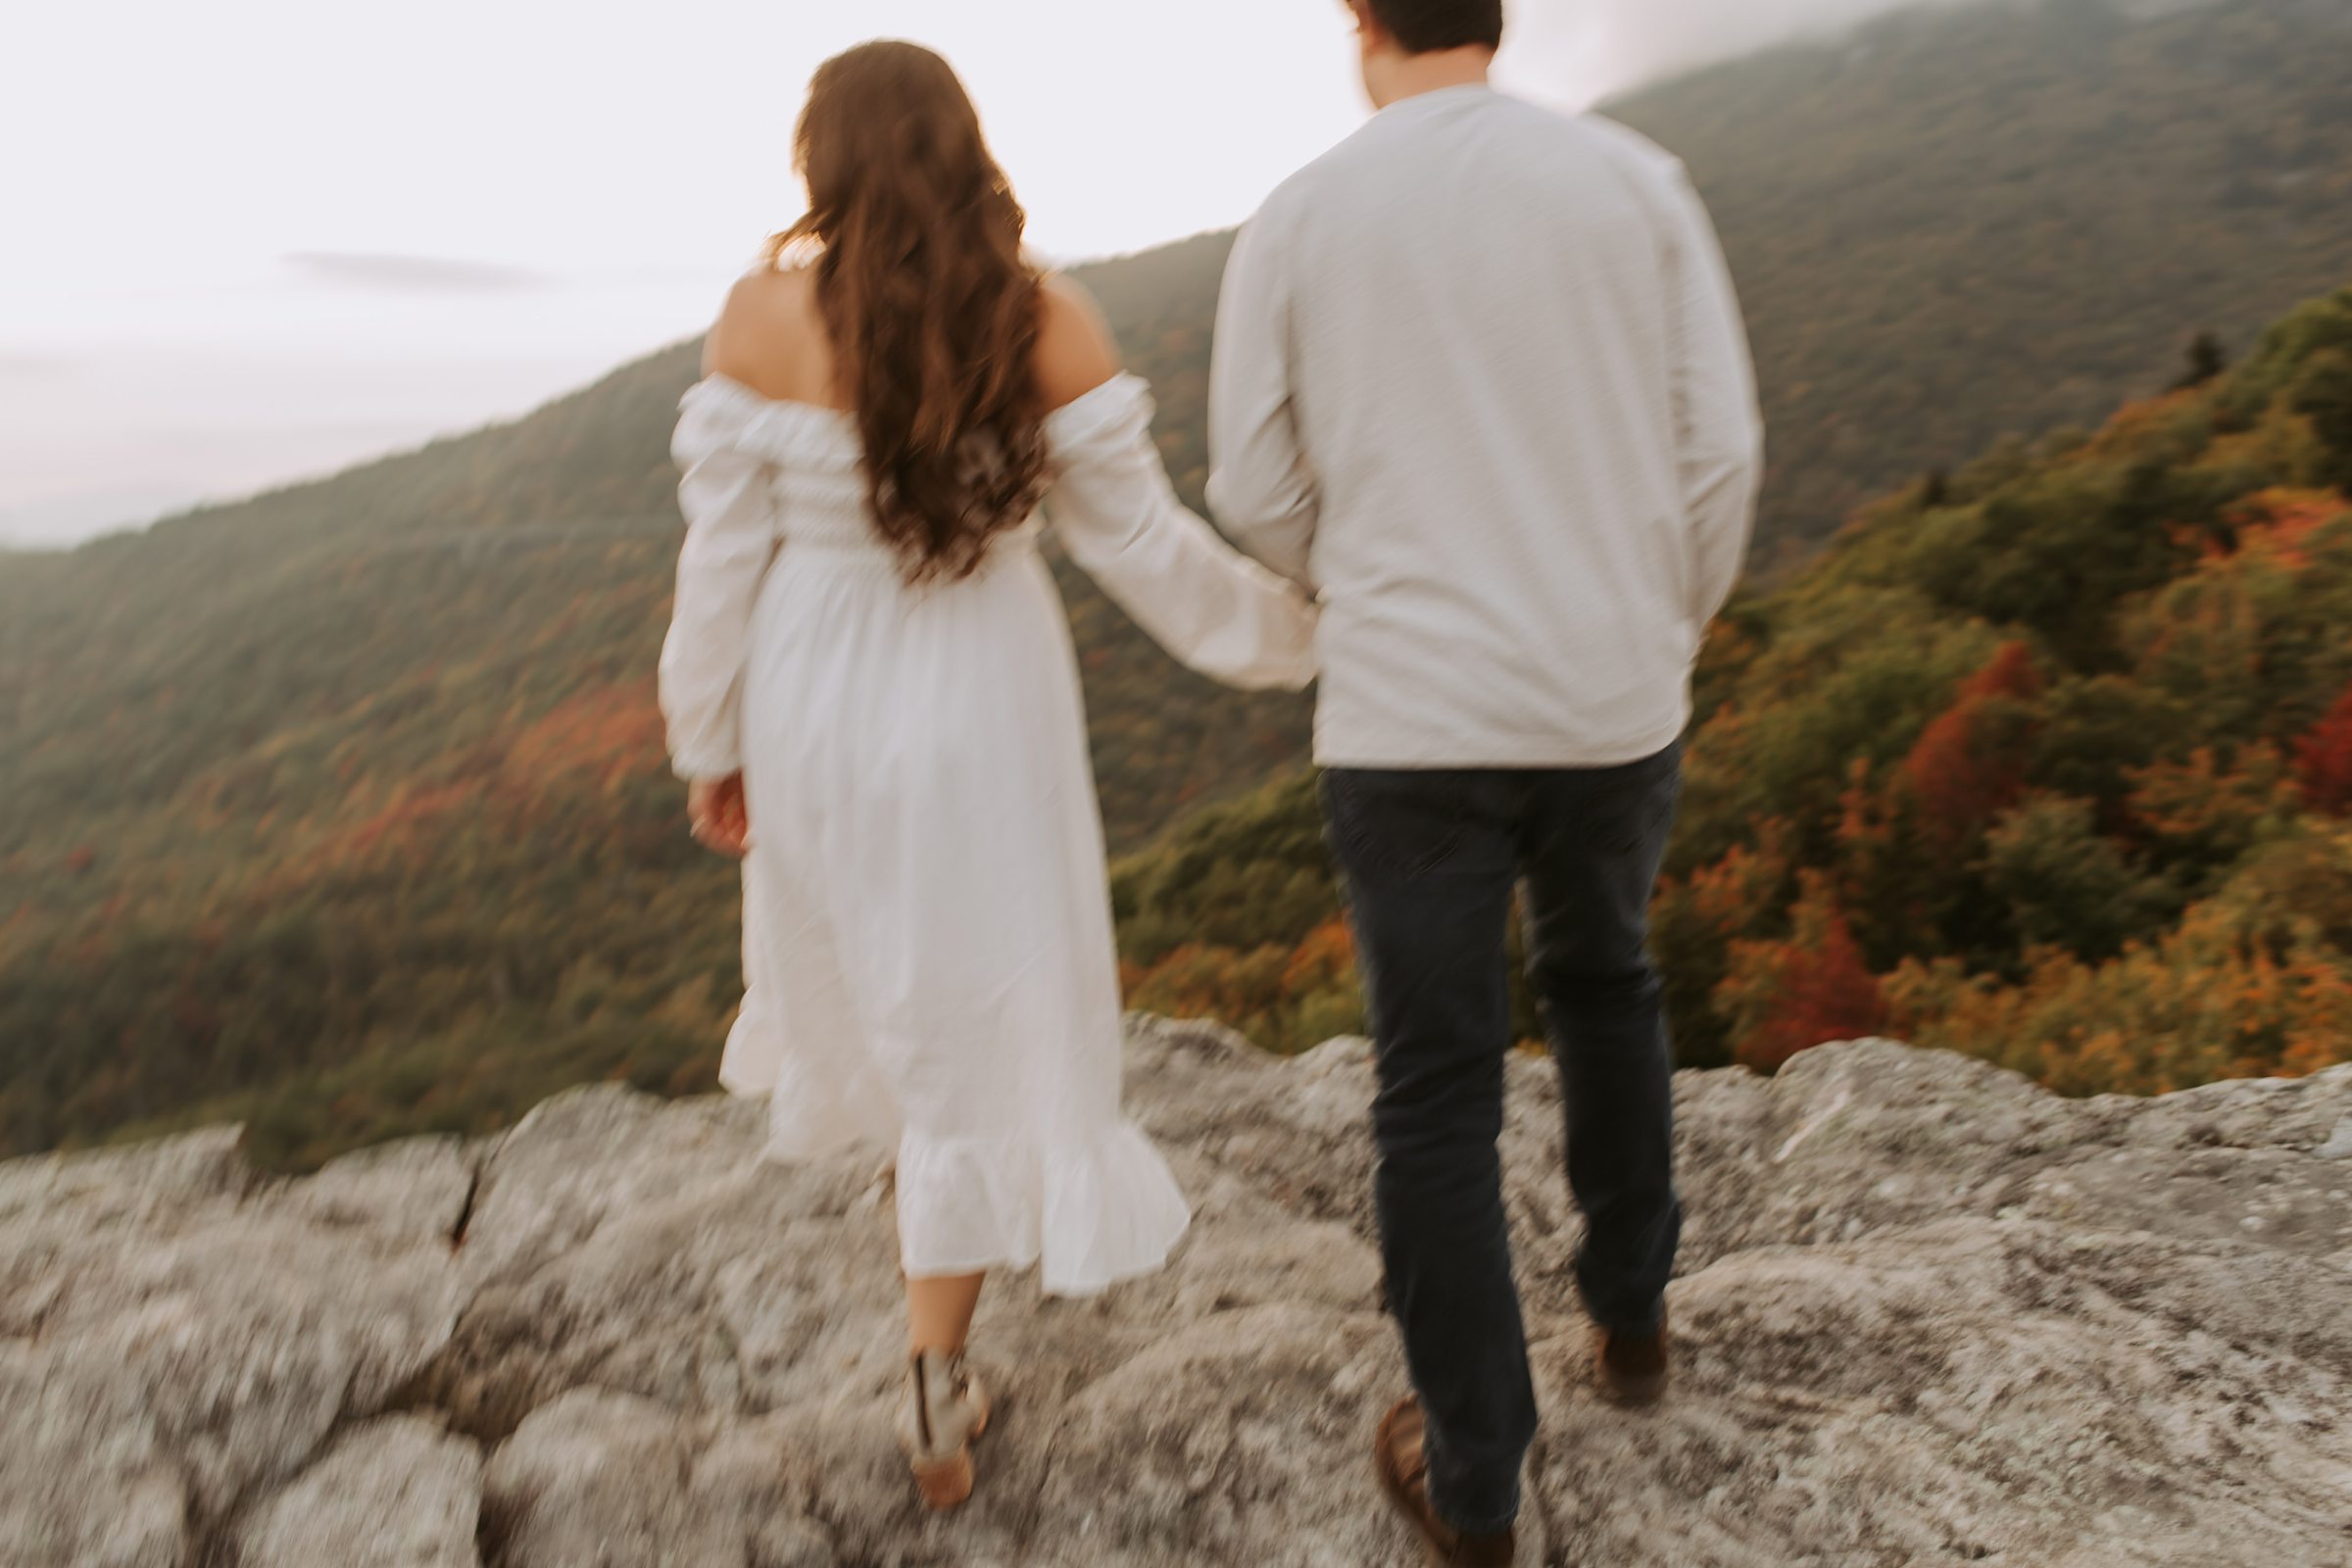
x=2050, y=761
x=2008, y=217
x=368, y=771
x=1959, y=223
x=346, y=801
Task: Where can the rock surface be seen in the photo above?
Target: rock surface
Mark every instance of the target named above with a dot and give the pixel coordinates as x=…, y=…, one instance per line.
x=1928, y=1313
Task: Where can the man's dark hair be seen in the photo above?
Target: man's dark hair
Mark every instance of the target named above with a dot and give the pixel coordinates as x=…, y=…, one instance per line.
x=1422, y=27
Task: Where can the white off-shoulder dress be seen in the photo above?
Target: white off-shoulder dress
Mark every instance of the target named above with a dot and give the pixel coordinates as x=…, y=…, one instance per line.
x=927, y=947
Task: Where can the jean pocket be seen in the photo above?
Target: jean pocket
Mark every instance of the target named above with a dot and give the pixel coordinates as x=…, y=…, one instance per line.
x=1396, y=823
x=1642, y=814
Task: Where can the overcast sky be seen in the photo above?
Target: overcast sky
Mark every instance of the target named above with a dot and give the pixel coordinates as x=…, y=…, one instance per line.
x=252, y=240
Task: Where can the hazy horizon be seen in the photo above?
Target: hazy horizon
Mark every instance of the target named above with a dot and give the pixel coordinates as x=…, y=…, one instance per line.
x=276, y=265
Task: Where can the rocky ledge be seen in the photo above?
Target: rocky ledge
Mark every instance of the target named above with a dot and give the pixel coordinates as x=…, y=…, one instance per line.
x=1929, y=1314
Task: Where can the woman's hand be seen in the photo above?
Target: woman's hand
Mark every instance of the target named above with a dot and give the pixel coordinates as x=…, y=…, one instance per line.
x=720, y=820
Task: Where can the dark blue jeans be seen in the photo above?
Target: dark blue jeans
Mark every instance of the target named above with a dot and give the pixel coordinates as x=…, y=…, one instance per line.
x=1428, y=861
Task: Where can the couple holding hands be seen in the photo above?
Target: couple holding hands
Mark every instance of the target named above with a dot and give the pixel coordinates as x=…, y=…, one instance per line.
x=1484, y=429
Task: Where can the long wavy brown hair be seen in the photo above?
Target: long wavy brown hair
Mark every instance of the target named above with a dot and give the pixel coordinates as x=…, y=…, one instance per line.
x=932, y=309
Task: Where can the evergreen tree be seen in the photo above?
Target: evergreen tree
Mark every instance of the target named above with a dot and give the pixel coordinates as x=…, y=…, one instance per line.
x=2207, y=359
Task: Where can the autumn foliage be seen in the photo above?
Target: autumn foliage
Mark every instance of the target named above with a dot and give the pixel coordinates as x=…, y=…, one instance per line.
x=1968, y=765
x=2025, y=768
x=2324, y=761
x=2048, y=761
x=1810, y=987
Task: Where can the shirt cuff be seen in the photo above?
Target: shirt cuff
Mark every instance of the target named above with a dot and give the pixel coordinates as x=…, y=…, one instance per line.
x=707, y=767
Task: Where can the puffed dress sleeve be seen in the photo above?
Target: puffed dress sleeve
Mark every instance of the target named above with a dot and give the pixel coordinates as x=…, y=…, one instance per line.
x=1116, y=514
x=727, y=495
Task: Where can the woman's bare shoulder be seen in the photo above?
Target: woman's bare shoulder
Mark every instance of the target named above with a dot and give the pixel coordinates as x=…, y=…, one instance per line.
x=768, y=334
x=1075, y=350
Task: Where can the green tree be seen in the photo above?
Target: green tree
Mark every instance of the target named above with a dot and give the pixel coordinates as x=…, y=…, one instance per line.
x=2066, y=886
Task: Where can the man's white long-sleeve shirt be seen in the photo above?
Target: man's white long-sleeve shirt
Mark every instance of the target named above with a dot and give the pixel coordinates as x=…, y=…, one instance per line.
x=1481, y=380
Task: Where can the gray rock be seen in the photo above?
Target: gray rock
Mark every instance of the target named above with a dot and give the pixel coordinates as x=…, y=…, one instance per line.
x=1928, y=1315
x=139, y=1184
x=594, y=1480
x=2339, y=1143
x=83, y=1479
x=605, y=1480
x=397, y=1493
x=1141, y=1469
x=415, y=1192
x=187, y=1350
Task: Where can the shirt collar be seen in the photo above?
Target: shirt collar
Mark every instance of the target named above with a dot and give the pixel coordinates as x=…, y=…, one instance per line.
x=1437, y=97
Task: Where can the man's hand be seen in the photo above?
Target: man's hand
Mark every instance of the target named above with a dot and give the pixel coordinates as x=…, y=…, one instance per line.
x=720, y=820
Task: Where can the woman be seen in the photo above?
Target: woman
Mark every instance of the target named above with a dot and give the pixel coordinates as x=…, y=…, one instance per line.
x=869, y=684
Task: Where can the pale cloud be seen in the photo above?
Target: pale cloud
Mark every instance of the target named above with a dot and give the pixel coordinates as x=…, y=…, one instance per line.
x=413, y=275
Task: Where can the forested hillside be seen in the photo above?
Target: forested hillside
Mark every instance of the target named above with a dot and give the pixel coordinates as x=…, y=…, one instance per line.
x=2004, y=218
x=2050, y=761
x=1965, y=223
x=343, y=808
x=355, y=791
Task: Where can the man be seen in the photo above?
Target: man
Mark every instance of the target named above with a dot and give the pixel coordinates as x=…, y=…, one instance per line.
x=1480, y=382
